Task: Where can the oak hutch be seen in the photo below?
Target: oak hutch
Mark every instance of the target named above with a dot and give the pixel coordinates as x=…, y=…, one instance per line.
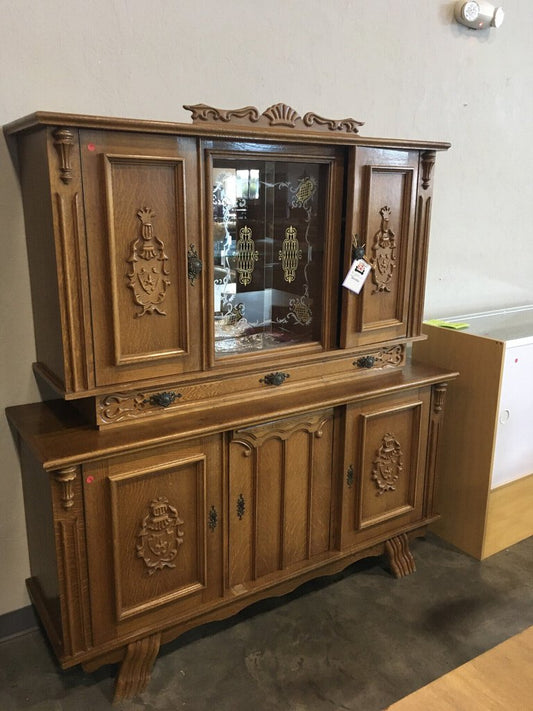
x=229, y=420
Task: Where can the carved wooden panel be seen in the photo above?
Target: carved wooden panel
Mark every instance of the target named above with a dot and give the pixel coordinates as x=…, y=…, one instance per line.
x=145, y=189
x=158, y=518
x=150, y=525
x=386, y=445
x=140, y=204
x=382, y=215
x=280, y=495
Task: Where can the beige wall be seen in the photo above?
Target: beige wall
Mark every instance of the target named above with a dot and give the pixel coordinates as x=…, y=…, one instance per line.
x=402, y=66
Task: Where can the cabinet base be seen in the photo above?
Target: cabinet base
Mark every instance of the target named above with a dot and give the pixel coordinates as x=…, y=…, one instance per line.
x=400, y=557
x=136, y=668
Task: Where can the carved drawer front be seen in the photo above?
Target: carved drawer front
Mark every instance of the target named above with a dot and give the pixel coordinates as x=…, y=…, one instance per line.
x=280, y=495
x=382, y=217
x=141, y=220
x=385, y=464
x=153, y=535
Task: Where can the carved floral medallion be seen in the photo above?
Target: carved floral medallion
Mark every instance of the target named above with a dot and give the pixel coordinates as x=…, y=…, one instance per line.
x=160, y=536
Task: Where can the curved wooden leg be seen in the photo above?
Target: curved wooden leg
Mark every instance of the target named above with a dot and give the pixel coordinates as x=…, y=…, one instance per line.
x=136, y=667
x=400, y=557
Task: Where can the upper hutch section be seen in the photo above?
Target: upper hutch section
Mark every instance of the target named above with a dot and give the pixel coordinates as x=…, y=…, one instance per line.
x=208, y=254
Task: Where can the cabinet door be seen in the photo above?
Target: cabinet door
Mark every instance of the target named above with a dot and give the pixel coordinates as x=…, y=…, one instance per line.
x=142, y=219
x=381, y=213
x=275, y=227
x=385, y=463
x=280, y=496
x=153, y=536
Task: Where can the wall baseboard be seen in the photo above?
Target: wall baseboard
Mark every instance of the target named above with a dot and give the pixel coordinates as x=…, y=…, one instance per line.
x=17, y=622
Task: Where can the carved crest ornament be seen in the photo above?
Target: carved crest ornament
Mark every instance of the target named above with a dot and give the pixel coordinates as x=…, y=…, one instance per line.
x=384, y=253
x=276, y=115
x=148, y=275
x=387, y=464
x=160, y=536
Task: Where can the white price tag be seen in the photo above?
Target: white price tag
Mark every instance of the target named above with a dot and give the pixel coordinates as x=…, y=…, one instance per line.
x=356, y=276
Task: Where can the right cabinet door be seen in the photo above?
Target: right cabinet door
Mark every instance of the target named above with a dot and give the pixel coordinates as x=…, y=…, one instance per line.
x=385, y=464
x=381, y=217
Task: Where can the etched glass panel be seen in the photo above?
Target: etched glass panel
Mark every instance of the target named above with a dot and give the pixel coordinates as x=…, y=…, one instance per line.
x=269, y=236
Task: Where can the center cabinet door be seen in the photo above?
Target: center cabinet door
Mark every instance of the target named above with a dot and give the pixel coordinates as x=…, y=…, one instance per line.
x=280, y=497
x=142, y=222
x=154, y=536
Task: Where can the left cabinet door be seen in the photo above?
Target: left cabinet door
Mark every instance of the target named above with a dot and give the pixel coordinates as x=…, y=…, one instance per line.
x=154, y=536
x=142, y=222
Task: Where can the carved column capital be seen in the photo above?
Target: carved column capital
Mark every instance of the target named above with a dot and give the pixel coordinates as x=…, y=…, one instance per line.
x=428, y=161
x=64, y=143
x=439, y=397
x=65, y=478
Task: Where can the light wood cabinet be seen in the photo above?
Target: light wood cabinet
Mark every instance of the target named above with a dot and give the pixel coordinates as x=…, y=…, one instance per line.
x=486, y=486
x=231, y=422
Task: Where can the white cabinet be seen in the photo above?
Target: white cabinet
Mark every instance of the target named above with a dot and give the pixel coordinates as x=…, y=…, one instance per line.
x=485, y=493
x=513, y=453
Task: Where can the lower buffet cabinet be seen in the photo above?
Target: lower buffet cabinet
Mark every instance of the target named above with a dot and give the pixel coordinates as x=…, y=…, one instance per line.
x=137, y=534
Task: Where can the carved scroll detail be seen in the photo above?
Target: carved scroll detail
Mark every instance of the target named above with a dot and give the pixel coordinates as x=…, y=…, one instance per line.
x=247, y=255
x=393, y=356
x=384, y=249
x=349, y=125
x=64, y=143
x=160, y=535
x=255, y=437
x=387, y=464
x=279, y=114
x=148, y=276
x=290, y=254
x=120, y=406
x=203, y=112
x=65, y=477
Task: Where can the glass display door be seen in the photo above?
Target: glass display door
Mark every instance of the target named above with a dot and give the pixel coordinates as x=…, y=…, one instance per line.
x=269, y=233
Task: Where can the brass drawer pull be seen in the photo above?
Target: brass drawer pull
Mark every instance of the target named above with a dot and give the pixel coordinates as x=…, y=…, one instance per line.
x=365, y=361
x=275, y=378
x=162, y=399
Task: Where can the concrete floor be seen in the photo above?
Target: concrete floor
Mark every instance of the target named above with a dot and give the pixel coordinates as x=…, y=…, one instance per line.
x=358, y=641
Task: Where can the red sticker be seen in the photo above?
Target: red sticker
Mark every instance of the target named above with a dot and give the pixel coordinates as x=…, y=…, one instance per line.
x=91, y=147
x=89, y=479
